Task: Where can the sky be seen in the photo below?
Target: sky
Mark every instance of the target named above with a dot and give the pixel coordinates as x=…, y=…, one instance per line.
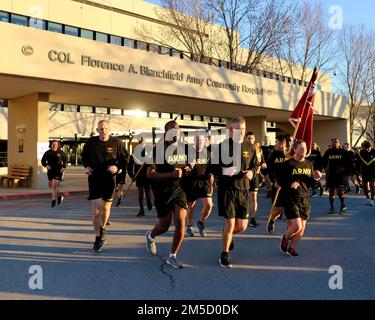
x=353, y=11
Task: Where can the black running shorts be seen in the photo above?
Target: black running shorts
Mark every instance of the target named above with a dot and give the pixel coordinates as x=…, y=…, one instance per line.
x=297, y=207
x=368, y=177
x=54, y=174
x=165, y=200
x=198, y=189
x=335, y=181
x=102, y=187
x=233, y=203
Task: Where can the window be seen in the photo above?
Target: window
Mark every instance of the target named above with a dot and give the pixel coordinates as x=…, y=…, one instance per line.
x=86, y=109
x=135, y=113
x=215, y=119
x=55, y=107
x=37, y=23
x=116, y=112
x=55, y=27
x=4, y=103
x=141, y=45
x=153, y=114
x=153, y=48
x=206, y=118
x=116, y=40
x=175, y=115
x=165, y=51
x=70, y=107
x=164, y=115
x=4, y=16
x=197, y=118
x=71, y=31
x=87, y=34
x=129, y=43
x=102, y=37
x=101, y=110
x=176, y=53
x=17, y=19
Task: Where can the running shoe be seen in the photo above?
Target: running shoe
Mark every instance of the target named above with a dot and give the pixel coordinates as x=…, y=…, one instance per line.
x=53, y=203
x=150, y=244
x=284, y=244
x=149, y=203
x=253, y=223
x=313, y=194
x=331, y=210
x=201, y=229
x=103, y=235
x=225, y=260
x=173, y=262
x=271, y=226
x=343, y=208
x=190, y=231
x=118, y=203
x=108, y=223
x=60, y=199
x=141, y=213
x=292, y=253
x=370, y=203
x=97, y=245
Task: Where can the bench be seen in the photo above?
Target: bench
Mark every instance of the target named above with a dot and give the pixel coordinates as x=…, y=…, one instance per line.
x=17, y=175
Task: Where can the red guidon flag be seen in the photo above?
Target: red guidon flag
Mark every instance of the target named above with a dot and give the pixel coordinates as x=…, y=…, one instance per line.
x=303, y=116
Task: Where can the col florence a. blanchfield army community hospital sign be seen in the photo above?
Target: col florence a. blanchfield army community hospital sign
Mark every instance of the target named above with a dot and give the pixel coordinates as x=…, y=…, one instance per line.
x=142, y=70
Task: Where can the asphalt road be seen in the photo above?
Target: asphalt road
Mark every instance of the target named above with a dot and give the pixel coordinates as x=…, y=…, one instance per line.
x=59, y=240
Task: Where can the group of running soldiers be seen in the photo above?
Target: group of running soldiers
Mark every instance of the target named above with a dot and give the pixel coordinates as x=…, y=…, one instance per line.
x=180, y=174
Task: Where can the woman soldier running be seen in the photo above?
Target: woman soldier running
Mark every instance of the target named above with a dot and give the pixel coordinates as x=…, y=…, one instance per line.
x=298, y=177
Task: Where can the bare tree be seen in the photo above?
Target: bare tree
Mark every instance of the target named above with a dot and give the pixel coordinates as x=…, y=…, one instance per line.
x=184, y=23
x=357, y=76
x=242, y=32
x=309, y=43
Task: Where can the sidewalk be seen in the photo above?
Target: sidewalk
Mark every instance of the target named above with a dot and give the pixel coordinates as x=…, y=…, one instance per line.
x=75, y=182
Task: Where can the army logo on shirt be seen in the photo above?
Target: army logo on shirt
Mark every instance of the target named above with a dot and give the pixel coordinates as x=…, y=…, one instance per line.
x=246, y=154
x=109, y=150
x=306, y=171
x=177, y=158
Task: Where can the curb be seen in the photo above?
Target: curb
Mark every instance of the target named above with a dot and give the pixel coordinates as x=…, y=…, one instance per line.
x=37, y=195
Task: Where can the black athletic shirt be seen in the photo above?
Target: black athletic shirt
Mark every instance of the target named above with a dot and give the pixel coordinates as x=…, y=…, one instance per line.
x=275, y=165
x=267, y=150
x=99, y=155
x=200, y=170
x=301, y=172
x=248, y=161
x=177, y=159
x=336, y=162
x=368, y=162
x=316, y=159
x=55, y=159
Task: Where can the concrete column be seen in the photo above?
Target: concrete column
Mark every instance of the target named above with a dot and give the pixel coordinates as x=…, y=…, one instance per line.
x=258, y=126
x=28, y=132
x=325, y=130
